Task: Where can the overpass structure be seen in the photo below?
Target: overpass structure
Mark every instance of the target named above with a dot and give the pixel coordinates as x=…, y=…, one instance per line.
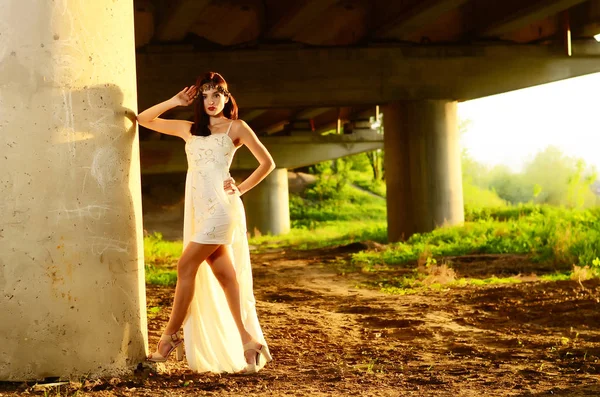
x=72, y=271
x=329, y=63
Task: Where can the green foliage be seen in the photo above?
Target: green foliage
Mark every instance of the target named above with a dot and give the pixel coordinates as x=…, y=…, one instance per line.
x=413, y=283
x=348, y=215
x=324, y=234
x=160, y=257
x=559, y=235
x=364, y=170
x=157, y=250
x=549, y=178
x=345, y=204
x=333, y=176
x=476, y=197
x=157, y=275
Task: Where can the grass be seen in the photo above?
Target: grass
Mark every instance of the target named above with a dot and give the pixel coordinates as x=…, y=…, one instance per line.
x=431, y=278
x=476, y=197
x=158, y=251
x=549, y=234
x=561, y=237
x=328, y=214
x=556, y=276
x=319, y=205
x=160, y=259
x=157, y=275
x=365, y=181
x=323, y=220
x=327, y=234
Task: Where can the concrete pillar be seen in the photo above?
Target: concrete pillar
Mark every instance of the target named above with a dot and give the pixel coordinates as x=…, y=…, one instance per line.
x=422, y=167
x=267, y=205
x=71, y=266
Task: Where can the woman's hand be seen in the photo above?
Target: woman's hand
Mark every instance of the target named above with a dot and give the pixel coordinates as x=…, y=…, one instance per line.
x=186, y=96
x=230, y=187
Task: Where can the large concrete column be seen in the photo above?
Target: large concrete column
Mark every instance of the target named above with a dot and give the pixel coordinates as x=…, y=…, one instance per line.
x=71, y=266
x=422, y=167
x=267, y=205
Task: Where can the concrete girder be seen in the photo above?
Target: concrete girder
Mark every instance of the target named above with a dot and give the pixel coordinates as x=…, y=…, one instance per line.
x=298, y=18
x=181, y=18
x=252, y=114
x=143, y=22
x=245, y=19
x=159, y=157
x=311, y=113
x=304, y=149
x=421, y=15
x=528, y=15
x=362, y=76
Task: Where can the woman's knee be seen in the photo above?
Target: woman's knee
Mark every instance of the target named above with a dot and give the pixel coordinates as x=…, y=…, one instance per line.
x=225, y=276
x=186, y=270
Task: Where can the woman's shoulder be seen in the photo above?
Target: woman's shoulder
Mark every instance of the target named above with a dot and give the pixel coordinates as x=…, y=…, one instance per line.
x=239, y=123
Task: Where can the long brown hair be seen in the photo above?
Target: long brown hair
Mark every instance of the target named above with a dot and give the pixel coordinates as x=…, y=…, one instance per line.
x=201, y=119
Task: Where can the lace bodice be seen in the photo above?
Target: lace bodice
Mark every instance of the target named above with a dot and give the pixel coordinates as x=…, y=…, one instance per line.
x=209, y=152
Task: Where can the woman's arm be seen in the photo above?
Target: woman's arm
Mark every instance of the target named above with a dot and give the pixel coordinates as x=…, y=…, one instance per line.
x=181, y=128
x=247, y=137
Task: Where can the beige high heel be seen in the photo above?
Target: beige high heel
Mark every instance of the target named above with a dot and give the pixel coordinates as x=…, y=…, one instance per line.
x=176, y=342
x=263, y=350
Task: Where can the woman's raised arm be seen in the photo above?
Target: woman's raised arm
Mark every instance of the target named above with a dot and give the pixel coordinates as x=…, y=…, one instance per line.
x=181, y=128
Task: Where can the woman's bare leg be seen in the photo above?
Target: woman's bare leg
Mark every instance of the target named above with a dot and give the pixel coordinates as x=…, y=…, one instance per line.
x=187, y=267
x=222, y=267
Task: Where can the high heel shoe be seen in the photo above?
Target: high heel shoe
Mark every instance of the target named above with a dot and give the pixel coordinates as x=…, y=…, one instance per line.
x=176, y=342
x=262, y=350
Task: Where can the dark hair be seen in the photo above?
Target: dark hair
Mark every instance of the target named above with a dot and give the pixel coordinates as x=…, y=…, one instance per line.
x=201, y=119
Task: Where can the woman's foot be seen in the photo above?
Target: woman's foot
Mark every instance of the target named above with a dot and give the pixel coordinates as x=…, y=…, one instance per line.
x=252, y=353
x=166, y=345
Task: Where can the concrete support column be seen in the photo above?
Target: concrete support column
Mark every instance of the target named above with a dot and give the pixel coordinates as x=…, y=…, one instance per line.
x=71, y=270
x=422, y=167
x=267, y=205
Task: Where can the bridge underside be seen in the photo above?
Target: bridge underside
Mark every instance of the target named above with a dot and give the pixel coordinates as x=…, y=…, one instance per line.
x=70, y=163
x=318, y=66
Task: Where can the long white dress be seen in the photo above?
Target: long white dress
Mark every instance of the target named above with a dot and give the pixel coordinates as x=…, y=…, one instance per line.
x=212, y=341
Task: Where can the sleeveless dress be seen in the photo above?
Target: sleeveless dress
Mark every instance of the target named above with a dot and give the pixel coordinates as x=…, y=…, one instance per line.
x=212, y=216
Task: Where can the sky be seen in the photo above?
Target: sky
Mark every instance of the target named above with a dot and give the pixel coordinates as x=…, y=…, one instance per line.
x=511, y=128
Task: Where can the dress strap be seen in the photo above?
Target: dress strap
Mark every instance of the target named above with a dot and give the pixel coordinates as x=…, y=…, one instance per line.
x=230, y=124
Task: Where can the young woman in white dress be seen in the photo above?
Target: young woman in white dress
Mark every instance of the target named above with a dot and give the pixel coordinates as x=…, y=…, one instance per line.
x=214, y=300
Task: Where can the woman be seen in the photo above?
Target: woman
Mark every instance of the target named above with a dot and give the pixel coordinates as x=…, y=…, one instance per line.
x=216, y=306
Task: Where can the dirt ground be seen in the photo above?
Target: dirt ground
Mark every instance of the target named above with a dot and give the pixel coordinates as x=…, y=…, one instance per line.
x=331, y=337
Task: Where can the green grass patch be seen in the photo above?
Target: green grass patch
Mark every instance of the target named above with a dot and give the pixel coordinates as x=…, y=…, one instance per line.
x=413, y=284
x=157, y=275
x=558, y=276
x=158, y=251
x=160, y=258
x=559, y=235
x=476, y=197
x=327, y=234
x=365, y=181
x=348, y=204
x=343, y=217
x=487, y=281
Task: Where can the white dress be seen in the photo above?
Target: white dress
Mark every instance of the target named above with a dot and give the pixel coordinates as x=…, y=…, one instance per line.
x=212, y=341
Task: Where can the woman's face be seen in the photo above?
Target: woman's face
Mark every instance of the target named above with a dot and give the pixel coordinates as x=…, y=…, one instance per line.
x=214, y=102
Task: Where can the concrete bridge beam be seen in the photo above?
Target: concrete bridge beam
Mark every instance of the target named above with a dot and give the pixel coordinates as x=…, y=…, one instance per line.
x=422, y=165
x=325, y=77
x=160, y=157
